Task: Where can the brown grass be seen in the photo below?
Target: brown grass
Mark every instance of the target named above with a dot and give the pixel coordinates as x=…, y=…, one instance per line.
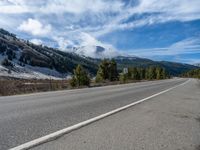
x=11, y=86
x=16, y=86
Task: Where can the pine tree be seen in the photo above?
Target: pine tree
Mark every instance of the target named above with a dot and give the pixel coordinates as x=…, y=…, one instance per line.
x=113, y=74
x=80, y=77
x=152, y=73
x=107, y=71
x=158, y=73
x=100, y=75
x=123, y=78
x=73, y=82
x=163, y=74
x=142, y=73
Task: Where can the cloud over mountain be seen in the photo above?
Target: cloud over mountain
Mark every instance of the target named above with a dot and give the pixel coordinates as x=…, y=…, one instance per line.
x=77, y=23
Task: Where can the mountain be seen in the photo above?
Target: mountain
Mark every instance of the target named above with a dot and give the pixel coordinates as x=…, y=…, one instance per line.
x=28, y=60
x=172, y=68
x=94, y=51
x=22, y=59
x=197, y=64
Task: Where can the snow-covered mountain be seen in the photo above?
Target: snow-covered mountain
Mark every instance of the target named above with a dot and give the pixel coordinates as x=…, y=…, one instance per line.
x=94, y=51
x=23, y=59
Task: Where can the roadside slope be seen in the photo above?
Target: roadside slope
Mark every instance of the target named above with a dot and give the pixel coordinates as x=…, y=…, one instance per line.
x=169, y=121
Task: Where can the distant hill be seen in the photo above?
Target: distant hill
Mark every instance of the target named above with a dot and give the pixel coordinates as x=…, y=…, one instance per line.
x=22, y=59
x=197, y=64
x=171, y=67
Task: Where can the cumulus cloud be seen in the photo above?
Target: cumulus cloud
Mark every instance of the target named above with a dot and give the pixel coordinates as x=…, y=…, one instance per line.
x=105, y=16
x=81, y=23
x=35, y=27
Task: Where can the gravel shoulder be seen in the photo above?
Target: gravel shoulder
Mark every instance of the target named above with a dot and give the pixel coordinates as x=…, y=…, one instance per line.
x=170, y=121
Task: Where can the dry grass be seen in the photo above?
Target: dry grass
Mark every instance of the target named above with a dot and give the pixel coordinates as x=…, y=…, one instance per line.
x=10, y=86
x=16, y=86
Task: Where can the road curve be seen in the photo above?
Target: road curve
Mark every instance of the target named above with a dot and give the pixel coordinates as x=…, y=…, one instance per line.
x=27, y=117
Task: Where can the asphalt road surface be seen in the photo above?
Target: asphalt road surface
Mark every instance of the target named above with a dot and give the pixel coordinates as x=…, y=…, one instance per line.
x=170, y=121
x=27, y=117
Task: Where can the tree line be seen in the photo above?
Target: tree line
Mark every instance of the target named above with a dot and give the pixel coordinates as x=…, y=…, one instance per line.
x=150, y=73
x=107, y=72
x=195, y=73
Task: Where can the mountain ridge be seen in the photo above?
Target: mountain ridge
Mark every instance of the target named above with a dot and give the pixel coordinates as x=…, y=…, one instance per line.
x=37, y=61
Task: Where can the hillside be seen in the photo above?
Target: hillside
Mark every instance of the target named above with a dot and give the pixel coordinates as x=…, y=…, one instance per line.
x=30, y=59
x=195, y=73
x=172, y=68
x=23, y=59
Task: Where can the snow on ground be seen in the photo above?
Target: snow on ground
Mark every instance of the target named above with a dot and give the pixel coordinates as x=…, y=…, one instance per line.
x=25, y=74
x=30, y=72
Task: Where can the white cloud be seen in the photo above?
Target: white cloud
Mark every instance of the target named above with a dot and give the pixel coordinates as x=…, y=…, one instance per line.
x=86, y=39
x=159, y=12
x=59, y=6
x=36, y=41
x=186, y=46
x=89, y=47
x=63, y=43
x=80, y=6
x=111, y=15
x=35, y=27
x=81, y=22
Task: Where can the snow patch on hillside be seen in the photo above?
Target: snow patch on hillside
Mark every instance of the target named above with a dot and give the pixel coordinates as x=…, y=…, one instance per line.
x=30, y=72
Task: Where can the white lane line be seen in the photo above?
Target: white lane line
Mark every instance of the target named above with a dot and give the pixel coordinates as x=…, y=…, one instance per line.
x=59, y=133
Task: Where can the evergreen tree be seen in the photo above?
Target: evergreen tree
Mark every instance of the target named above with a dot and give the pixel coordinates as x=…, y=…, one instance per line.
x=163, y=74
x=148, y=73
x=107, y=71
x=123, y=78
x=135, y=73
x=195, y=73
x=73, y=82
x=7, y=63
x=142, y=73
x=158, y=73
x=80, y=77
x=129, y=74
x=113, y=74
x=151, y=73
x=100, y=75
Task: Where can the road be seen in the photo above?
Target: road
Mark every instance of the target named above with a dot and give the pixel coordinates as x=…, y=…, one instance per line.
x=27, y=117
x=170, y=121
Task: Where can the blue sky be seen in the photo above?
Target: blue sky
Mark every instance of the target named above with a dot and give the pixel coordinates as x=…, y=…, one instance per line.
x=156, y=29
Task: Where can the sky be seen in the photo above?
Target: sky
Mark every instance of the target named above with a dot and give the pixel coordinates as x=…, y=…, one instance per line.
x=157, y=29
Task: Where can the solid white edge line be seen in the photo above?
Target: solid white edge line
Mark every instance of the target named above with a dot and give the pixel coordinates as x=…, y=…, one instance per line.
x=59, y=133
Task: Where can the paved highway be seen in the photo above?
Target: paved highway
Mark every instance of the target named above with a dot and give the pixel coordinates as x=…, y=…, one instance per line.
x=27, y=117
x=170, y=121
